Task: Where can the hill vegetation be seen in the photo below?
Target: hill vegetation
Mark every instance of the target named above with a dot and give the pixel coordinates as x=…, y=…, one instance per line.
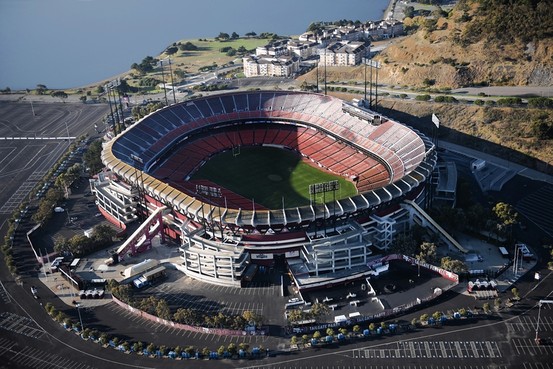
x=477, y=43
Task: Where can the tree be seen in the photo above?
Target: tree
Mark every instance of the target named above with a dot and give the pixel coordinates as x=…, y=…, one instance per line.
x=60, y=244
x=318, y=309
x=234, y=36
x=162, y=310
x=251, y=34
x=315, y=27
x=294, y=340
x=171, y=50
x=486, y=307
x=505, y=213
x=103, y=233
x=453, y=265
x=104, y=338
x=507, y=216
x=92, y=157
x=295, y=315
x=252, y=318
x=497, y=304
x=222, y=36
x=61, y=94
x=145, y=66
x=427, y=252
x=186, y=316
x=317, y=335
x=409, y=11
x=190, y=350
x=151, y=348
x=138, y=346
x=232, y=349
x=404, y=243
x=188, y=46
x=41, y=89
x=163, y=350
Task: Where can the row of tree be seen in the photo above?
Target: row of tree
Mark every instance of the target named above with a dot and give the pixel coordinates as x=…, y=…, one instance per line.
x=105, y=339
x=80, y=245
x=160, y=308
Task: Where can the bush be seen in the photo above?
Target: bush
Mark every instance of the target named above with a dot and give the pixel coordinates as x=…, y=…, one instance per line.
x=540, y=102
x=509, y=101
x=479, y=102
x=423, y=97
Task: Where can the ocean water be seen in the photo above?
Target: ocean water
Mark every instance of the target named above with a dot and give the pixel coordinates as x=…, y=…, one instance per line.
x=71, y=43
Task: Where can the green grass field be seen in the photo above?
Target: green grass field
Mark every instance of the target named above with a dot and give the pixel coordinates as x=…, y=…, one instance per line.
x=268, y=174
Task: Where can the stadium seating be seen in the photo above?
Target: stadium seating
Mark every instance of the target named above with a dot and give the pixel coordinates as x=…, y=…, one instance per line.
x=376, y=155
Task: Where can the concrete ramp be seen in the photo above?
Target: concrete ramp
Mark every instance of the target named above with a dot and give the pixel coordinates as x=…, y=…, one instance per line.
x=444, y=235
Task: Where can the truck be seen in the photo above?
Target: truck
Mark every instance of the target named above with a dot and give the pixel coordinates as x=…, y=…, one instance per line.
x=149, y=277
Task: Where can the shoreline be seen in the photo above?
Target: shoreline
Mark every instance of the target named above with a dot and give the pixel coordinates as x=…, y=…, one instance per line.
x=391, y=11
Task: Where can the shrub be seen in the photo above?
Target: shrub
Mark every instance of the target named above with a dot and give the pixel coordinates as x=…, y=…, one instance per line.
x=540, y=102
x=423, y=98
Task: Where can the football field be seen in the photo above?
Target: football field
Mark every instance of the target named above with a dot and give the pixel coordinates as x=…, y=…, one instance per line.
x=270, y=176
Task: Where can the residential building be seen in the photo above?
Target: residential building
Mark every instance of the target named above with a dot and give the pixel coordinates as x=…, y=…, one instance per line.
x=267, y=65
x=345, y=53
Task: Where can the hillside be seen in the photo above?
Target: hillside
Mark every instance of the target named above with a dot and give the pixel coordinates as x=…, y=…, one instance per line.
x=471, y=46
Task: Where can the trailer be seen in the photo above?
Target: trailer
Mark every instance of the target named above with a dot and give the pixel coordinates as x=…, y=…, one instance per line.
x=140, y=268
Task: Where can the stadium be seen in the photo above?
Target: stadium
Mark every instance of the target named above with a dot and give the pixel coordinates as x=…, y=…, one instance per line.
x=367, y=172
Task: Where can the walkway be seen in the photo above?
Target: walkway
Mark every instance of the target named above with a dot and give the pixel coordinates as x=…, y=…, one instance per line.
x=517, y=168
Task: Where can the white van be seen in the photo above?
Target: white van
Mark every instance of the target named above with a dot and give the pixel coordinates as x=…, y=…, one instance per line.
x=58, y=209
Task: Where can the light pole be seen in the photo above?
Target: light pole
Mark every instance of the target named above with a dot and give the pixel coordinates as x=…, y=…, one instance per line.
x=540, y=303
x=78, y=306
x=163, y=78
x=67, y=129
x=515, y=263
x=172, y=81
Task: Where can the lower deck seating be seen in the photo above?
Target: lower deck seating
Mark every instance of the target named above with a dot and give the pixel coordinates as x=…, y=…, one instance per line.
x=336, y=156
